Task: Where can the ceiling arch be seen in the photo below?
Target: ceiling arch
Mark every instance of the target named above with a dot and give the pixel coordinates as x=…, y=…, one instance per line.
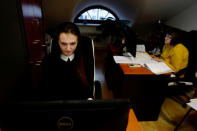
x=122, y=9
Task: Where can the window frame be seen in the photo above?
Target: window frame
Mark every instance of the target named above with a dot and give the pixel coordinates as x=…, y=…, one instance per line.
x=80, y=21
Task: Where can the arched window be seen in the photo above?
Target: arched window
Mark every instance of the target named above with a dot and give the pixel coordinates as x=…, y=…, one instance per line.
x=95, y=15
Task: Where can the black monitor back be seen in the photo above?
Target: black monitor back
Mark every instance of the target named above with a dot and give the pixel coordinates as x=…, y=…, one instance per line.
x=94, y=115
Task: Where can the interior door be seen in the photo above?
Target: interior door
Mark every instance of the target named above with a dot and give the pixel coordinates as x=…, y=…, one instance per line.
x=34, y=30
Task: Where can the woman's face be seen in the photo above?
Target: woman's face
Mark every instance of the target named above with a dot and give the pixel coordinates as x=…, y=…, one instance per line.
x=168, y=39
x=68, y=43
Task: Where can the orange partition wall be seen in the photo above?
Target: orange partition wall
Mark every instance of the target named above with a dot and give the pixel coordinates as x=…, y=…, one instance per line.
x=133, y=124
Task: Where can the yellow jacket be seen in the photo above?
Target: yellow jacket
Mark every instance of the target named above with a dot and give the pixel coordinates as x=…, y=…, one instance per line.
x=175, y=57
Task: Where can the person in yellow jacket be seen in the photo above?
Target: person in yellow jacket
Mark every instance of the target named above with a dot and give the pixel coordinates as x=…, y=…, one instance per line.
x=174, y=54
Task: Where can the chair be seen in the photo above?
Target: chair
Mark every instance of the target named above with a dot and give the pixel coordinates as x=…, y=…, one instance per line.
x=193, y=107
x=89, y=58
x=183, y=88
x=87, y=47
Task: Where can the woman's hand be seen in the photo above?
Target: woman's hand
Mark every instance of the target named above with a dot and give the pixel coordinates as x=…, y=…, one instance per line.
x=156, y=58
x=153, y=56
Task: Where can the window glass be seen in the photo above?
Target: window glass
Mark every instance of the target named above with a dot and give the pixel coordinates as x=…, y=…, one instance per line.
x=102, y=14
x=85, y=16
x=95, y=14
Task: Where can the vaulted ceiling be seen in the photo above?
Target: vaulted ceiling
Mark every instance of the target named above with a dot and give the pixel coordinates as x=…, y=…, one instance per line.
x=136, y=11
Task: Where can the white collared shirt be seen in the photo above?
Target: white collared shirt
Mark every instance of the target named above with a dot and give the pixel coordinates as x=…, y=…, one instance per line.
x=65, y=58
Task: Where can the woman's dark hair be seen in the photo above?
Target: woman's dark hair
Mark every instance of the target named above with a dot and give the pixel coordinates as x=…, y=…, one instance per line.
x=175, y=37
x=66, y=27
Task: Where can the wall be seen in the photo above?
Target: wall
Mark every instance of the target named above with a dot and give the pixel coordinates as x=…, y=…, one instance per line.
x=57, y=11
x=186, y=20
x=13, y=53
x=88, y=30
x=140, y=12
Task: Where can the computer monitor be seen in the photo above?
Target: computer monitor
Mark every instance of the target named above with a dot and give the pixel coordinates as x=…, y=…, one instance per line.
x=65, y=115
x=131, y=40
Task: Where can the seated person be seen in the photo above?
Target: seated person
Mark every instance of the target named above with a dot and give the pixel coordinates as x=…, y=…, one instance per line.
x=64, y=75
x=174, y=54
x=128, y=42
x=153, y=45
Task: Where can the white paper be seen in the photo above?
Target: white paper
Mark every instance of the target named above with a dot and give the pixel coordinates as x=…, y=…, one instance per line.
x=123, y=59
x=158, y=67
x=193, y=103
x=140, y=48
x=142, y=58
x=145, y=60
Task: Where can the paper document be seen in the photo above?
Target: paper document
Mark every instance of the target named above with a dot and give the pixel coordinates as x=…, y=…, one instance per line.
x=193, y=103
x=123, y=59
x=158, y=67
x=140, y=48
x=145, y=60
x=142, y=58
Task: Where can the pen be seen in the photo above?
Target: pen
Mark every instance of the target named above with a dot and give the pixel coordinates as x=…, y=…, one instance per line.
x=134, y=65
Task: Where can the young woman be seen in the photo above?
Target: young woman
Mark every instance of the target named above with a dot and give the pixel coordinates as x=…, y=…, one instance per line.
x=63, y=71
x=174, y=54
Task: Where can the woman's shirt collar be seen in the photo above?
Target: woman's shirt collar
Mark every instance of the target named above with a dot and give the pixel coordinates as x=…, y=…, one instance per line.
x=65, y=58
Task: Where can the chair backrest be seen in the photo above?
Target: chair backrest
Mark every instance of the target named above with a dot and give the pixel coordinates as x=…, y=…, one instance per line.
x=189, y=40
x=87, y=46
x=192, y=47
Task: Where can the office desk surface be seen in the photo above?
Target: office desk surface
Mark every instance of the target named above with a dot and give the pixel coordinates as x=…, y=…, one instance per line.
x=133, y=124
x=135, y=70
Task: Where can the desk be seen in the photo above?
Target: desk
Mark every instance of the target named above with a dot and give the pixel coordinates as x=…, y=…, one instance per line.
x=141, y=86
x=134, y=70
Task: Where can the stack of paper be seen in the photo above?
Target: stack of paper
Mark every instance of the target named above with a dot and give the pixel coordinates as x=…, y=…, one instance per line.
x=140, y=48
x=144, y=59
x=158, y=67
x=193, y=103
x=123, y=59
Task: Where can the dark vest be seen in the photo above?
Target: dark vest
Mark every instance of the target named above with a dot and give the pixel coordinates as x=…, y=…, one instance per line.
x=61, y=80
